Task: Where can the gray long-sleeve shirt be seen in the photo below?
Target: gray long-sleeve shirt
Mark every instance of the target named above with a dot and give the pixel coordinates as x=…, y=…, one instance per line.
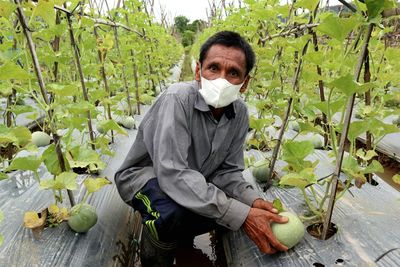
x=197, y=160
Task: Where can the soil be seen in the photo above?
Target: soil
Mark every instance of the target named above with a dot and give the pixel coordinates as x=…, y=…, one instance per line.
x=316, y=230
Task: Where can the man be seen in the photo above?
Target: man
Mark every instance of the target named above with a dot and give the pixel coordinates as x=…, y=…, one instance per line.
x=184, y=170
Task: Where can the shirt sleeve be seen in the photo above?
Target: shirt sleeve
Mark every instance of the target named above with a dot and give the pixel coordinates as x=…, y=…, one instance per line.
x=167, y=139
x=229, y=177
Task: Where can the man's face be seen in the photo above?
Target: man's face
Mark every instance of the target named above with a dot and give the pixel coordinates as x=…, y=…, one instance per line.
x=224, y=62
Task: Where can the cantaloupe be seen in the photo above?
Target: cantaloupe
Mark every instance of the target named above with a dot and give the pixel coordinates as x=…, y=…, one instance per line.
x=100, y=128
x=294, y=125
x=128, y=122
x=290, y=233
x=396, y=121
x=260, y=171
x=317, y=141
x=41, y=138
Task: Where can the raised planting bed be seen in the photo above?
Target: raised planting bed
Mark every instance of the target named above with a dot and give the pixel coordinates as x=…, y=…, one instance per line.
x=367, y=221
x=112, y=241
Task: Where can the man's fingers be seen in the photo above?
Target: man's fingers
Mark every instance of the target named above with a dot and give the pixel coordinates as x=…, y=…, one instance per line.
x=278, y=218
x=275, y=243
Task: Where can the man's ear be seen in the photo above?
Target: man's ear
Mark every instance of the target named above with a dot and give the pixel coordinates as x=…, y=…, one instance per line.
x=197, y=72
x=244, y=86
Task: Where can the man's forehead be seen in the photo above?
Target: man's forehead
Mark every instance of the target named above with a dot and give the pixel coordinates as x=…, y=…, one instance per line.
x=226, y=52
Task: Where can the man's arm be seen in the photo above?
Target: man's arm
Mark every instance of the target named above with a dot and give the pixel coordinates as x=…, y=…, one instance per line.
x=167, y=138
x=229, y=178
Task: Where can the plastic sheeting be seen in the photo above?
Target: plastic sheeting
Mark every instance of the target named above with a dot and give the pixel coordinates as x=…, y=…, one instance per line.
x=388, y=145
x=368, y=226
x=60, y=246
x=111, y=238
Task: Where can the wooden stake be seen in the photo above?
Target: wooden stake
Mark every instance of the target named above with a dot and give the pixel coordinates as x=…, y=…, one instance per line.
x=43, y=90
x=343, y=138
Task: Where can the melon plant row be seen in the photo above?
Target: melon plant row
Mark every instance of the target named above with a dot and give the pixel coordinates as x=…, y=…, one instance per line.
x=315, y=68
x=81, y=76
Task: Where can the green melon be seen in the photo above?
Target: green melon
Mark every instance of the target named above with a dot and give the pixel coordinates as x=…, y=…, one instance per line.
x=317, y=141
x=128, y=122
x=41, y=138
x=100, y=128
x=260, y=171
x=83, y=217
x=290, y=233
x=294, y=125
x=396, y=121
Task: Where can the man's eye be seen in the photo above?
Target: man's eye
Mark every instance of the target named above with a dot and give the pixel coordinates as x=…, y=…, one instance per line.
x=213, y=68
x=234, y=73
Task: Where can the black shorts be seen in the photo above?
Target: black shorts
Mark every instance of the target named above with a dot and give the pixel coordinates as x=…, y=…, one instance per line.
x=166, y=220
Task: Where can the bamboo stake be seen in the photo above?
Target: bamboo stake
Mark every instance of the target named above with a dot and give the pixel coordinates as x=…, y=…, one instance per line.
x=101, y=21
x=367, y=79
x=346, y=126
x=104, y=77
x=43, y=90
x=82, y=79
x=288, y=110
x=135, y=74
x=128, y=96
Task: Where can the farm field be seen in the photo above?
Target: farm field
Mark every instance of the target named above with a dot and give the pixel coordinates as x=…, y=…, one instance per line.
x=78, y=77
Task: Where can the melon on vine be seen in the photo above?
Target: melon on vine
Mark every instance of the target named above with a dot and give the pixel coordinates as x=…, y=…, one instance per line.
x=290, y=233
x=41, y=138
x=260, y=171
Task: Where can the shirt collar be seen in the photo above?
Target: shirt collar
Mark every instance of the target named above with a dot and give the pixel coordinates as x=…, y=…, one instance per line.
x=200, y=104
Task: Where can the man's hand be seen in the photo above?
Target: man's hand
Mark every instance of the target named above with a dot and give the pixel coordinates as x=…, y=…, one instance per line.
x=257, y=227
x=260, y=203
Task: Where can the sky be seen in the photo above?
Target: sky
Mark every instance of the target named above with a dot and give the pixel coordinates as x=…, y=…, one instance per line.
x=192, y=9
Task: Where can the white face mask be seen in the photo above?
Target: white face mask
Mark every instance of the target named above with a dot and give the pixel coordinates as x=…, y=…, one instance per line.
x=219, y=92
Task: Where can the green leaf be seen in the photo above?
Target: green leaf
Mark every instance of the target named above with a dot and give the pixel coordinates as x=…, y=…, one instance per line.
x=83, y=157
x=278, y=205
x=366, y=156
x=337, y=28
x=23, y=135
x=308, y=4
x=109, y=125
x=296, y=150
x=374, y=167
x=29, y=163
x=356, y=129
x=21, y=109
x=11, y=71
x=6, y=8
x=374, y=8
x=50, y=159
x=64, y=90
x=3, y=176
x=345, y=84
x=95, y=184
x=45, y=9
x=65, y=180
x=396, y=178
x=301, y=180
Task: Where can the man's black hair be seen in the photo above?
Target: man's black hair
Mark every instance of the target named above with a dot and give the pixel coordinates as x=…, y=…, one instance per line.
x=229, y=39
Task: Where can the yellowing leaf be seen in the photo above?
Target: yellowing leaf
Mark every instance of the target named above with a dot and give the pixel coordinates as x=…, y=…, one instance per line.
x=396, y=178
x=6, y=8
x=64, y=214
x=93, y=185
x=66, y=180
x=54, y=209
x=32, y=220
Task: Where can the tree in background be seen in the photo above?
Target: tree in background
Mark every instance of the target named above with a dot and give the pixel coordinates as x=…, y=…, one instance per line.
x=187, y=31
